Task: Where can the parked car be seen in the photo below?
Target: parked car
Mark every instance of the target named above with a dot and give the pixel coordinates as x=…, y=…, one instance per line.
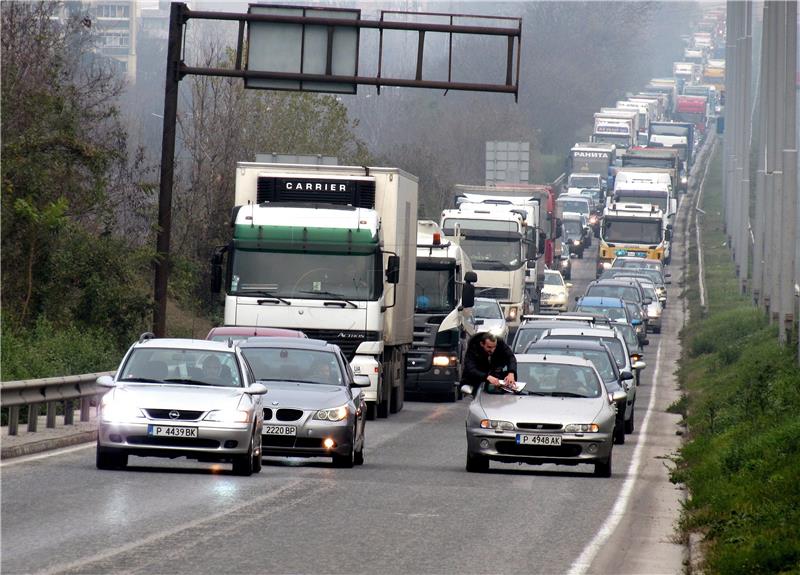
x=181, y=398
x=488, y=316
x=555, y=293
x=603, y=360
x=315, y=407
x=239, y=332
x=564, y=414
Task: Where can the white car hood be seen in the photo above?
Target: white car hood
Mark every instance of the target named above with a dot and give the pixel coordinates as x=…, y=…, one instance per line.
x=490, y=324
x=179, y=396
x=306, y=396
x=531, y=408
x=554, y=290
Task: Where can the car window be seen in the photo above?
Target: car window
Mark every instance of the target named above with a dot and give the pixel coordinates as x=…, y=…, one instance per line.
x=600, y=359
x=292, y=364
x=487, y=310
x=634, y=310
x=158, y=365
x=553, y=280
x=623, y=292
x=563, y=380
x=612, y=313
x=526, y=336
x=613, y=344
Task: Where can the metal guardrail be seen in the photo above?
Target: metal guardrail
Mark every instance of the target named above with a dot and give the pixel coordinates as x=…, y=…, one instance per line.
x=50, y=391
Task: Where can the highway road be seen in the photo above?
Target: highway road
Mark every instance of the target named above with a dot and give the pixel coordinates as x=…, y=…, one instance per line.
x=412, y=508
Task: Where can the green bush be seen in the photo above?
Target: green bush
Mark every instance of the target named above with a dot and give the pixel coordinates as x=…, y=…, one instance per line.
x=47, y=351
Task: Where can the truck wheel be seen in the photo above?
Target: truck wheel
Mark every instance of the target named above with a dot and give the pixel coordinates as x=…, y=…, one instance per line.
x=383, y=408
x=398, y=397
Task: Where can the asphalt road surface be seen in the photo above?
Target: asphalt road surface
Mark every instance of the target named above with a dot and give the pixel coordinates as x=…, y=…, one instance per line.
x=412, y=508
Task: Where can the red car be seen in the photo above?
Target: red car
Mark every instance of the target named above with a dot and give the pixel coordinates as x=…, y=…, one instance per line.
x=239, y=332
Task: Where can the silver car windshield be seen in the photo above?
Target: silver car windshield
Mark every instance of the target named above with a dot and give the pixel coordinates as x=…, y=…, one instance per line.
x=557, y=380
x=184, y=366
x=288, y=364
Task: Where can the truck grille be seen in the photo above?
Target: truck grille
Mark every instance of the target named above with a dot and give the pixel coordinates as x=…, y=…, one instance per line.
x=348, y=341
x=494, y=293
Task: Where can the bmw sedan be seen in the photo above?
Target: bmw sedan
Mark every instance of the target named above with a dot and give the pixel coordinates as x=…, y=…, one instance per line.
x=315, y=407
x=560, y=412
x=181, y=398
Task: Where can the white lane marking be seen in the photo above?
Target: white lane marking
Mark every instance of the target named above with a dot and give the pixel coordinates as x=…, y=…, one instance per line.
x=46, y=454
x=584, y=561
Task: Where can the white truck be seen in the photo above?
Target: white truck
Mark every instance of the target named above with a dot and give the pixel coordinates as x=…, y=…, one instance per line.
x=615, y=129
x=329, y=250
x=499, y=244
x=444, y=297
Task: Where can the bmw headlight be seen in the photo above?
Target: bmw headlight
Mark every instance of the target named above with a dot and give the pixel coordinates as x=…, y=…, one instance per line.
x=333, y=414
x=497, y=425
x=581, y=428
x=228, y=416
x=119, y=411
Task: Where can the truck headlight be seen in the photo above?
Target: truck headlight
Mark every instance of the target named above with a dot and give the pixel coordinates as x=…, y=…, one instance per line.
x=444, y=360
x=333, y=414
x=512, y=313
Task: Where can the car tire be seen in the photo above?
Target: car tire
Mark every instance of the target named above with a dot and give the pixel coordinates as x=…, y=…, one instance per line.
x=110, y=458
x=243, y=464
x=629, y=423
x=345, y=461
x=603, y=468
x=358, y=456
x=477, y=463
x=257, y=456
x=619, y=434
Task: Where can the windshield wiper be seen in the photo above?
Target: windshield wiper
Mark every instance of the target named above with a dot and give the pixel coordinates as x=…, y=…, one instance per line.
x=265, y=293
x=567, y=394
x=188, y=381
x=332, y=294
x=142, y=379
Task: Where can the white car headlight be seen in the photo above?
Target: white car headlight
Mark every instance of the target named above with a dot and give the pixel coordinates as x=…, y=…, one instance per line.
x=495, y=424
x=119, y=412
x=228, y=416
x=581, y=428
x=333, y=414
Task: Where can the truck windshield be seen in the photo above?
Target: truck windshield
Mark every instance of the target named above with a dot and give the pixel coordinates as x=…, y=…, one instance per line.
x=435, y=290
x=621, y=141
x=583, y=182
x=632, y=231
x=493, y=253
x=580, y=207
x=307, y=275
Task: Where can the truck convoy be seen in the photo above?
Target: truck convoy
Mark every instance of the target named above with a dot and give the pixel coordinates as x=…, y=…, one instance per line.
x=444, y=297
x=329, y=250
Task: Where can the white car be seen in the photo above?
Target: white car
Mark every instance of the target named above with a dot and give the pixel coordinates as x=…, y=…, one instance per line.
x=488, y=316
x=555, y=293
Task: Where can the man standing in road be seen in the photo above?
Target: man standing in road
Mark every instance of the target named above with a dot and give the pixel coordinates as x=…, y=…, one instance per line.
x=489, y=359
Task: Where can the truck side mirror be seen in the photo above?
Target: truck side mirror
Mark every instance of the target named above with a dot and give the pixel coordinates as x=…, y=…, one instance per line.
x=542, y=241
x=393, y=270
x=559, y=228
x=668, y=235
x=468, y=293
x=470, y=277
x=216, y=269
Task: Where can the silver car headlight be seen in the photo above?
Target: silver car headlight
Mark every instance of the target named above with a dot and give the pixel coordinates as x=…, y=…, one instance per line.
x=496, y=424
x=581, y=428
x=119, y=411
x=332, y=414
x=228, y=416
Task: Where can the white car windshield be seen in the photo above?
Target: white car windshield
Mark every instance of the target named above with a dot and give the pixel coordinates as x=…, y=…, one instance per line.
x=182, y=366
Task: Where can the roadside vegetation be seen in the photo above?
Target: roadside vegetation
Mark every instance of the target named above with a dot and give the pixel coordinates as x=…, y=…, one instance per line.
x=741, y=461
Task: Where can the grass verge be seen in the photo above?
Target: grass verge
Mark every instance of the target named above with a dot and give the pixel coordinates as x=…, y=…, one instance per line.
x=741, y=463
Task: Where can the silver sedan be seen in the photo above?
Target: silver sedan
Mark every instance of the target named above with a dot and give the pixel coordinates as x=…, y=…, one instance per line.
x=181, y=398
x=563, y=414
x=314, y=407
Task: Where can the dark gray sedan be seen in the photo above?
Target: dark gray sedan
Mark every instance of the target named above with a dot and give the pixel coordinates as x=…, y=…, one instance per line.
x=314, y=407
x=564, y=414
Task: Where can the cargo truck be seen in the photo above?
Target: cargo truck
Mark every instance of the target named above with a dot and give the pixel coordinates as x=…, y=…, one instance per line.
x=330, y=251
x=692, y=110
x=444, y=297
x=634, y=230
x=668, y=158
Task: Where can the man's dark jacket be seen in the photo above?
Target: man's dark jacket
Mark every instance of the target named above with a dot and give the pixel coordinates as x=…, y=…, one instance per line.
x=478, y=365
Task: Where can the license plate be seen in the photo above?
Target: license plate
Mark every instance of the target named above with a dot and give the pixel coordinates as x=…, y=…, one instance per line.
x=279, y=430
x=529, y=439
x=171, y=431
